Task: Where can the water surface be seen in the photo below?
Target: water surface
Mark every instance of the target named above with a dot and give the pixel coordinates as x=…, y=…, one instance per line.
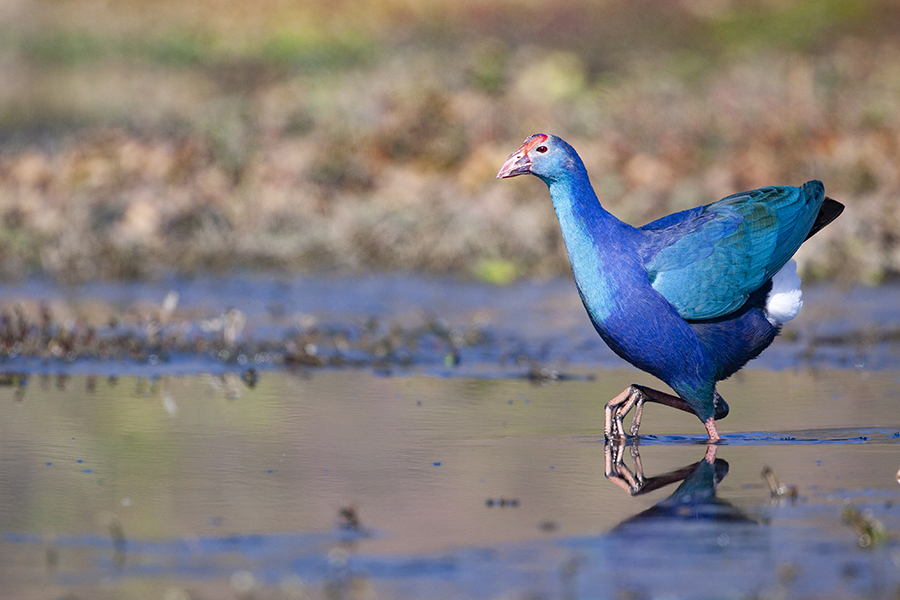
x=440, y=480
x=459, y=487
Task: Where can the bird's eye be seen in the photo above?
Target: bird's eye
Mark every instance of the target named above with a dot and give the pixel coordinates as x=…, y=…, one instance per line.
x=541, y=149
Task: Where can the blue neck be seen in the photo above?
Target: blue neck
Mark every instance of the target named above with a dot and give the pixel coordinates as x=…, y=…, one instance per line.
x=600, y=246
x=578, y=209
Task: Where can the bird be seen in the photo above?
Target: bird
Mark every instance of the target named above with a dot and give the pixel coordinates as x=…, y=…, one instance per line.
x=689, y=298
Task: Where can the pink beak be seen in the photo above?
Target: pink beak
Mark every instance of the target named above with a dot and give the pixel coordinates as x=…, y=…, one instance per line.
x=518, y=163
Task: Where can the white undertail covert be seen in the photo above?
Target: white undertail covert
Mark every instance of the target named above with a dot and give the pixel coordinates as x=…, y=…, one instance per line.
x=785, y=300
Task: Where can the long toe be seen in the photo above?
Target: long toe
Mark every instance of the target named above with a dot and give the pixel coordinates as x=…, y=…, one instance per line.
x=638, y=415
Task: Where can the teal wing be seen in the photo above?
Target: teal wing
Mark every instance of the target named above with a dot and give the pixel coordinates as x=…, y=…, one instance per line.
x=707, y=261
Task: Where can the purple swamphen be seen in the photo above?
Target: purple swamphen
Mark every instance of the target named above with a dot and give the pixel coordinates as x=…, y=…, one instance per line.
x=690, y=297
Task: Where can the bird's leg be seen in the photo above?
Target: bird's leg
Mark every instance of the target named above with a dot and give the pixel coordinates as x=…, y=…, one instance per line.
x=712, y=430
x=634, y=396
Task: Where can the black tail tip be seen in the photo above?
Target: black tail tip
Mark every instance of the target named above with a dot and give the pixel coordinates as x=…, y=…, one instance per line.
x=721, y=407
x=830, y=210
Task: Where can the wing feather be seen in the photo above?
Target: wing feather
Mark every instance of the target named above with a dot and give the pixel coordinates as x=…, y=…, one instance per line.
x=706, y=262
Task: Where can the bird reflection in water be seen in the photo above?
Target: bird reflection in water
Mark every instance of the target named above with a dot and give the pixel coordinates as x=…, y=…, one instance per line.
x=694, y=499
x=691, y=544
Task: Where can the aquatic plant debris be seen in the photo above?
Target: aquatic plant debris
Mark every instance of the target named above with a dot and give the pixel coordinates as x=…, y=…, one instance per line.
x=870, y=531
x=776, y=487
x=157, y=338
x=389, y=323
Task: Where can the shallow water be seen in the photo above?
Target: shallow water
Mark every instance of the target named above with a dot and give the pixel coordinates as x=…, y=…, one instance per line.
x=447, y=482
x=214, y=489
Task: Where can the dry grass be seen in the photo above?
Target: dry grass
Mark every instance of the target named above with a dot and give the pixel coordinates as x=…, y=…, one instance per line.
x=141, y=137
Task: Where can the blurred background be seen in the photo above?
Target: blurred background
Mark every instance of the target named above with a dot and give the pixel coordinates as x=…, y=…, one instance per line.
x=145, y=137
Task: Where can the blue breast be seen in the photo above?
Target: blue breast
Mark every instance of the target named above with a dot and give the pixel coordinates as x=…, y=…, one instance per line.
x=634, y=319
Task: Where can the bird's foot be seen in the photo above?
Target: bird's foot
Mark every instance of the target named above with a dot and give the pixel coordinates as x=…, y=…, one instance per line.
x=632, y=397
x=635, y=396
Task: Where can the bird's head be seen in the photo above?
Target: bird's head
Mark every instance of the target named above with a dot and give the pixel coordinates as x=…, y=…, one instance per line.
x=545, y=156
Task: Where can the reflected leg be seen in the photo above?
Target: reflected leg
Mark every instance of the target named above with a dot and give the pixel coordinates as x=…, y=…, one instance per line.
x=618, y=472
x=634, y=482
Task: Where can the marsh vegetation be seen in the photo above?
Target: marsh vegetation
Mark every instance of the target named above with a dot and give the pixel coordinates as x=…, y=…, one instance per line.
x=140, y=138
